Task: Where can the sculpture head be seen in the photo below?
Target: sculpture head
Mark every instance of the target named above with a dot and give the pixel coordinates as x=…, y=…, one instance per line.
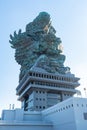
x=39, y=23
x=42, y=18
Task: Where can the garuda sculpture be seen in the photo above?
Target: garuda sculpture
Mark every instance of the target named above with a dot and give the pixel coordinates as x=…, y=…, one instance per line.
x=39, y=47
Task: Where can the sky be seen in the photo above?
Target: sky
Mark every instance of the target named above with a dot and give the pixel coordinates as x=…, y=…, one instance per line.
x=69, y=18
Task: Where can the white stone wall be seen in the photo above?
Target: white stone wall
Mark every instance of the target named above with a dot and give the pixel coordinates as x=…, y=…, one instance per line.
x=80, y=108
x=67, y=115
x=70, y=114
x=19, y=120
x=25, y=126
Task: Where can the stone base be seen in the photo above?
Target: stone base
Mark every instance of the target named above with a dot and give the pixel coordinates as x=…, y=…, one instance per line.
x=70, y=114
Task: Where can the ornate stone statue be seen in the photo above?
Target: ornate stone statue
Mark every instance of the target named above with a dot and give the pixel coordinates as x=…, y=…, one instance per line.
x=39, y=47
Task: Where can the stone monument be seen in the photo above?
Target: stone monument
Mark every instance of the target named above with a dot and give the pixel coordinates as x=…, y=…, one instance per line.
x=46, y=87
x=44, y=80
x=39, y=47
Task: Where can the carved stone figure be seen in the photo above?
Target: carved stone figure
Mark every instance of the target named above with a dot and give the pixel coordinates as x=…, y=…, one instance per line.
x=39, y=47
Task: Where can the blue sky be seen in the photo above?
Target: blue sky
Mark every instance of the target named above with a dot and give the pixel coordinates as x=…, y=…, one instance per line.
x=69, y=17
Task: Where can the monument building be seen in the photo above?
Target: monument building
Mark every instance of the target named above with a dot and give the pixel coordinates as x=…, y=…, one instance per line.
x=46, y=87
x=39, y=90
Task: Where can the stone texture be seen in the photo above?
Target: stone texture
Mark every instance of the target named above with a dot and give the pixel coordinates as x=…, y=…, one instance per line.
x=39, y=46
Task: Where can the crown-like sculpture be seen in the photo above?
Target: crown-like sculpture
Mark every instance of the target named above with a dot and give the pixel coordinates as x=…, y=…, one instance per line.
x=39, y=47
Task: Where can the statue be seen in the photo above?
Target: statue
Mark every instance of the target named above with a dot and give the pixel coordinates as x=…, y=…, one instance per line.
x=39, y=47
